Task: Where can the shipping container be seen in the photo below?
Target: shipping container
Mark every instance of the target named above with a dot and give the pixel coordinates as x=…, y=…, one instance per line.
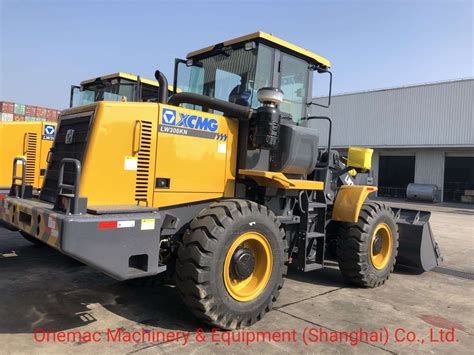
x=19, y=109
x=30, y=111
x=50, y=113
x=7, y=107
x=40, y=112
x=6, y=117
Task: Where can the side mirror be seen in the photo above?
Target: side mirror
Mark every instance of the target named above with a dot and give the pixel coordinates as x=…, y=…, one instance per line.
x=324, y=103
x=178, y=64
x=188, y=76
x=72, y=96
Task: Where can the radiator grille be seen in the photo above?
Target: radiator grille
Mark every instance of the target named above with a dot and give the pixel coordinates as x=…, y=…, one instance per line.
x=143, y=168
x=78, y=126
x=31, y=144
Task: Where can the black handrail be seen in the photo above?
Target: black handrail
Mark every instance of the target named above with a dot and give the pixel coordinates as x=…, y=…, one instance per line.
x=73, y=188
x=329, y=138
x=22, y=177
x=322, y=70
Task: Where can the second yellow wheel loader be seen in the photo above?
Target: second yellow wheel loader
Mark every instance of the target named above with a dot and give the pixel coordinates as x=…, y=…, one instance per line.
x=30, y=142
x=118, y=86
x=24, y=148
x=33, y=140
x=222, y=184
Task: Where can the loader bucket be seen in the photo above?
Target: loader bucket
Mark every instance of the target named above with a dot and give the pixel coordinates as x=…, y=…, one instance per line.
x=417, y=248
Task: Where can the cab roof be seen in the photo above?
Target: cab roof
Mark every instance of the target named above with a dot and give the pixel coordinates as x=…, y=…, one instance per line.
x=273, y=41
x=122, y=75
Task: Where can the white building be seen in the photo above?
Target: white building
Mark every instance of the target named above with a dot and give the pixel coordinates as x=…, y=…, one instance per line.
x=421, y=133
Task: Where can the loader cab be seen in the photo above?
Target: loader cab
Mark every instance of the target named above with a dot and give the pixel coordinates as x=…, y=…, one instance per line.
x=114, y=87
x=235, y=70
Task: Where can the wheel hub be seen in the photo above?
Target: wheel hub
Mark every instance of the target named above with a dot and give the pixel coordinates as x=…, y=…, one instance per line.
x=242, y=264
x=248, y=266
x=381, y=248
x=377, y=245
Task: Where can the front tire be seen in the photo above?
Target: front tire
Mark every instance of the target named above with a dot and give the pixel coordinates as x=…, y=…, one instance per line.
x=230, y=269
x=367, y=250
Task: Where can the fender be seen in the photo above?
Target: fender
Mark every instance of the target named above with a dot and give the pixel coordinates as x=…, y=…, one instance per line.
x=349, y=201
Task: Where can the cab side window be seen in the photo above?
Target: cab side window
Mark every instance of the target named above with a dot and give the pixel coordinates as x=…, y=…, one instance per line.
x=149, y=93
x=294, y=84
x=264, y=71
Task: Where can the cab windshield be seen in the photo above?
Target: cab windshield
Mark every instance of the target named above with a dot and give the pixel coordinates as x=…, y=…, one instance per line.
x=235, y=75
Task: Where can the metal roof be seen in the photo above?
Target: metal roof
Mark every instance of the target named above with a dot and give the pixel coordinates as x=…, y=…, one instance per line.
x=268, y=38
x=430, y=115
x=440, y=82
x=122, y=75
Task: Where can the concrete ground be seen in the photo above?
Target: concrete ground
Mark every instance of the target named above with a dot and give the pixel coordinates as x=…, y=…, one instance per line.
x=42, y=290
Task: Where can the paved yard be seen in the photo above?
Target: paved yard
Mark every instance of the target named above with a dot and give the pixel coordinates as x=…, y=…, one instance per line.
x=44, y=291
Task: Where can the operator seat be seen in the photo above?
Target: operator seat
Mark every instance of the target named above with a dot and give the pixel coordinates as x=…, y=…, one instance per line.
x=240, y=95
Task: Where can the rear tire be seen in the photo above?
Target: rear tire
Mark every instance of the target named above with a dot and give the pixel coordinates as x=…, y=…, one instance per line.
x=367, y=250
x=210, y=242
x=32, y=239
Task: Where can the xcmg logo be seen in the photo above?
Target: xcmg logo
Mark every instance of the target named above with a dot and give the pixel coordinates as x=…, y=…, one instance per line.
x=170, y=118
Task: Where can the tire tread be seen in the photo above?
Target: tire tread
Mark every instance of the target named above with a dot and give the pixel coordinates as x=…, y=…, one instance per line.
x=193, y=271
x=352, y=249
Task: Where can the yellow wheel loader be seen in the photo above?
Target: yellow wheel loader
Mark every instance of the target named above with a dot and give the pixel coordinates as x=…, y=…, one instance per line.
x=223, y=184
x=28, y=143
x=24, y=148
x=33, y=140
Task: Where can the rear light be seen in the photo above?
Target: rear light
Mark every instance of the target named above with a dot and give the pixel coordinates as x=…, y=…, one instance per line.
x=108, y=225
x=371, y=189
x=2, y=196
x=116, y=224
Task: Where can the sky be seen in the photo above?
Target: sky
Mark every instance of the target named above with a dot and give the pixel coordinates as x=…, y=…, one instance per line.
x=48, y=45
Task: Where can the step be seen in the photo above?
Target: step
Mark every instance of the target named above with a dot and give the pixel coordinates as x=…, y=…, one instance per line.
x=312, y=266
x=316, y=205
x=311, y=235
x=289, y=219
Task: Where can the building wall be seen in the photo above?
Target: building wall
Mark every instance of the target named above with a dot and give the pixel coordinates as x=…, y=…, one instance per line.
x=429, y=167
x=431, y=115
x=429, y=164
x=374, y=173
x=428, y=121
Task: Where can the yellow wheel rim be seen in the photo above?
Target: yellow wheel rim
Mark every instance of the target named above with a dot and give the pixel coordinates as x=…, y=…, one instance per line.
x=381, y=245
x=251, y=287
